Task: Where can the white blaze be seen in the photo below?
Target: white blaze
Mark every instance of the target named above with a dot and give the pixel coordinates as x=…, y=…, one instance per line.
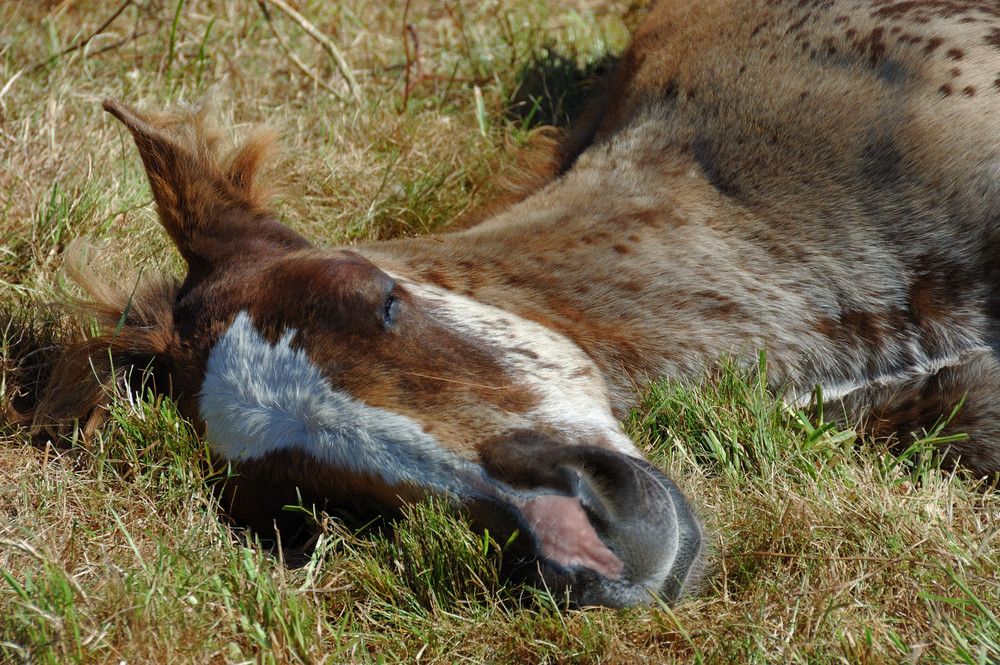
x=257, y=398
x=574, y=398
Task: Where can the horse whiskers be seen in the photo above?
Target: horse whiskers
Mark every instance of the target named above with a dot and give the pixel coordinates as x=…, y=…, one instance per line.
x=461, y=383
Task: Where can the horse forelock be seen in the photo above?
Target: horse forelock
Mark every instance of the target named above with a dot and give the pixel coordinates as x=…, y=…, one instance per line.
x=130, y=352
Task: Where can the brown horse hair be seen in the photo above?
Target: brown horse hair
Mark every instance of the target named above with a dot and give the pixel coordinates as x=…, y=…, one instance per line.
x=125, y=351
x=133, y=315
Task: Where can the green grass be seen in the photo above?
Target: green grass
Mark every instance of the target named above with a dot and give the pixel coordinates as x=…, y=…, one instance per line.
x=115, y=552
x=826, y=548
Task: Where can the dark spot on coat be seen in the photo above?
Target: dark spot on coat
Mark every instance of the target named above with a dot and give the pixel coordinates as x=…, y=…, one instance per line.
x=945, y=90
x=894, y=10
x=867, y=327
x=717, y=305
x=882, y=161
x=932, y=44
x=704, y=154
x=439, y=278
x=993, y=39
x=670, y=93
x=873, y=44
x=892, y=72
x=797, y=26
x=634, y=286
x=956, y=53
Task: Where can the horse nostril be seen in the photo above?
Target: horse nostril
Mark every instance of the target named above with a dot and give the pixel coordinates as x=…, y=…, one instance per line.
x=609, y=486
x=643, y=518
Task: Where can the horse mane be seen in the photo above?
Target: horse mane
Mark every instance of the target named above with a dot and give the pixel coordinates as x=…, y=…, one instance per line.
x=126, y=350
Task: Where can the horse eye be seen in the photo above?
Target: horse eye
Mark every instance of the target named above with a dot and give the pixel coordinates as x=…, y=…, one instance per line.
x=389, y=311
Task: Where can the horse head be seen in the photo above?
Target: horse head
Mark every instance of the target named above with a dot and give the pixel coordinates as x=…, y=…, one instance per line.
x=339, y=377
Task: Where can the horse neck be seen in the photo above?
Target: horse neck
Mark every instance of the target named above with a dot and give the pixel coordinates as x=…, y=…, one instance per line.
x=576, y=257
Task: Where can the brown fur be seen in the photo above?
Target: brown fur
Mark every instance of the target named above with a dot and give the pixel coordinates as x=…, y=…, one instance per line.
x=136, y=322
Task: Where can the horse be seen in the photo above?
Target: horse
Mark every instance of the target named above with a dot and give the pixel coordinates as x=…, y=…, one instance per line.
x=818, y=180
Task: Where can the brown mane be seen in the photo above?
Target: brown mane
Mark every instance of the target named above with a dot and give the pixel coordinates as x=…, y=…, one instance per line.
x=134, y=322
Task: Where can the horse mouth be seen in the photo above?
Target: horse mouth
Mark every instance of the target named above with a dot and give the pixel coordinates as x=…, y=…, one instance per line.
x=565, y=536
x=600, y=528
x=589, y=524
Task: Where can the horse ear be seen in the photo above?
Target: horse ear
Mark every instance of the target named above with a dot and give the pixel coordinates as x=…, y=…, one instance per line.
x=208, y=206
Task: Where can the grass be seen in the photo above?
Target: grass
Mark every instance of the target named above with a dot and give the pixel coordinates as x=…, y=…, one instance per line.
x=826, y=548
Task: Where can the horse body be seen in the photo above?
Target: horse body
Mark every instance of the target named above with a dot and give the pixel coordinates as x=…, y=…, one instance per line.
x=819, y=180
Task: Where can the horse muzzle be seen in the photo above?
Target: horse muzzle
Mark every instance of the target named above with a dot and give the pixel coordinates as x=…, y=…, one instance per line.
x=593, y=525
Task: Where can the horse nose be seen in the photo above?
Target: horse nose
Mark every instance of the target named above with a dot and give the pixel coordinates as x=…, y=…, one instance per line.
x=605, y=528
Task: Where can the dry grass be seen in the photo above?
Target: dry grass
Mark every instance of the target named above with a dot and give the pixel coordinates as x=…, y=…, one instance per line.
x=826, y=549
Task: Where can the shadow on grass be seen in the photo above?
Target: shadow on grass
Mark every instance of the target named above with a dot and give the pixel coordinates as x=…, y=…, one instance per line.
x=555, y=89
